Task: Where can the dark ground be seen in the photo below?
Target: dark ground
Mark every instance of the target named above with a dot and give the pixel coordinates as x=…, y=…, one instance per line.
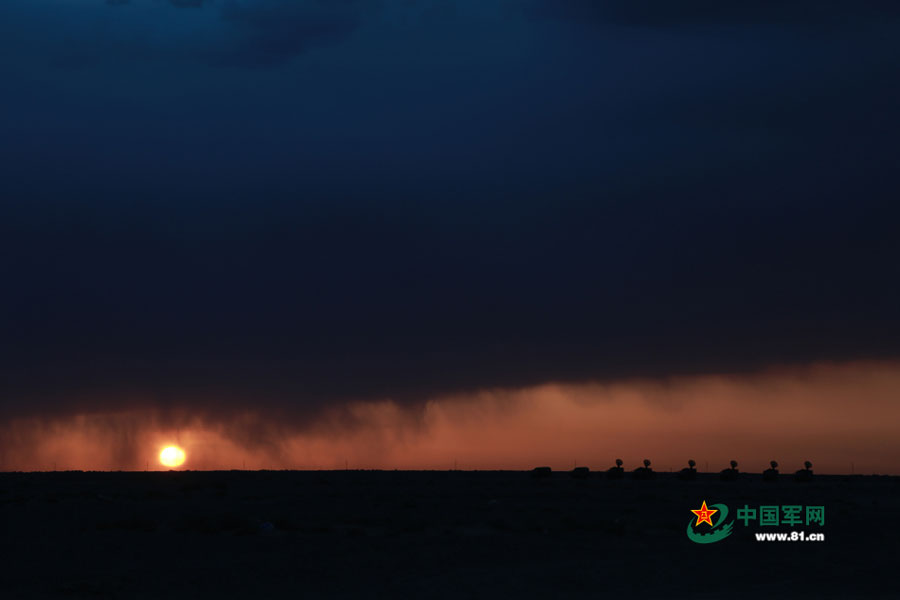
x=371, y=534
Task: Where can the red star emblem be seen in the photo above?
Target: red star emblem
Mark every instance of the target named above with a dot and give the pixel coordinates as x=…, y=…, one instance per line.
x=704, y=514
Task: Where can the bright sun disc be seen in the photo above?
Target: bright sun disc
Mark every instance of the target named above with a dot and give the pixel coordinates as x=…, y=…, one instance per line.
x=171, y=456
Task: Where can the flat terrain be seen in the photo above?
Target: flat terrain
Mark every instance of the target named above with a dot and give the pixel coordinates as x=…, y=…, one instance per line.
x=401, y=534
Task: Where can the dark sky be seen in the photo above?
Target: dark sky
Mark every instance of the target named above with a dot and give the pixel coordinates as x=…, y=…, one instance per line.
x=298, y=202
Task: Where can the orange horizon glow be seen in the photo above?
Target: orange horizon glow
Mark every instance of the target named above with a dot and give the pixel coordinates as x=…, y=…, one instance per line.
x=842, y=417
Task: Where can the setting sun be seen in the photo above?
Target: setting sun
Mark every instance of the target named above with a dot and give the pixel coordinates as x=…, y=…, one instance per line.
x=171, y=456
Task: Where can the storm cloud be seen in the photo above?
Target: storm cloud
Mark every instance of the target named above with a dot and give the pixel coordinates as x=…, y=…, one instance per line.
x=660, y=13
x=299, y=205
x=791, y=415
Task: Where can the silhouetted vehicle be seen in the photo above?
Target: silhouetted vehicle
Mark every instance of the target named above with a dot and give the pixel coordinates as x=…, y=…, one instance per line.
x=771, y=474
x=616, y=472
x=689, y=472
x=541, y=472
x=804, y=474
x=580, y=472
x=644, y=472
x=730, y=474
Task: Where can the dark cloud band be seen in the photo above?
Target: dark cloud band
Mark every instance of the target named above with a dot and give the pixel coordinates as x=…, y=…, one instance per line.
x=406, y=212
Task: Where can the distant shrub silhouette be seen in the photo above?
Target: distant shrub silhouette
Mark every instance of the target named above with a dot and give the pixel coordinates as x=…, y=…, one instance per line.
x=804, y=474
x=730, y=474
x=580, y=472
x=644, y=472
x=771, y=474
x=541, y=472
x=616, y=472
x=689, y=472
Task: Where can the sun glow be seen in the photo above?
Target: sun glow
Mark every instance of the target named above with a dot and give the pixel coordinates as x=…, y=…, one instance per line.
x=171, y=456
